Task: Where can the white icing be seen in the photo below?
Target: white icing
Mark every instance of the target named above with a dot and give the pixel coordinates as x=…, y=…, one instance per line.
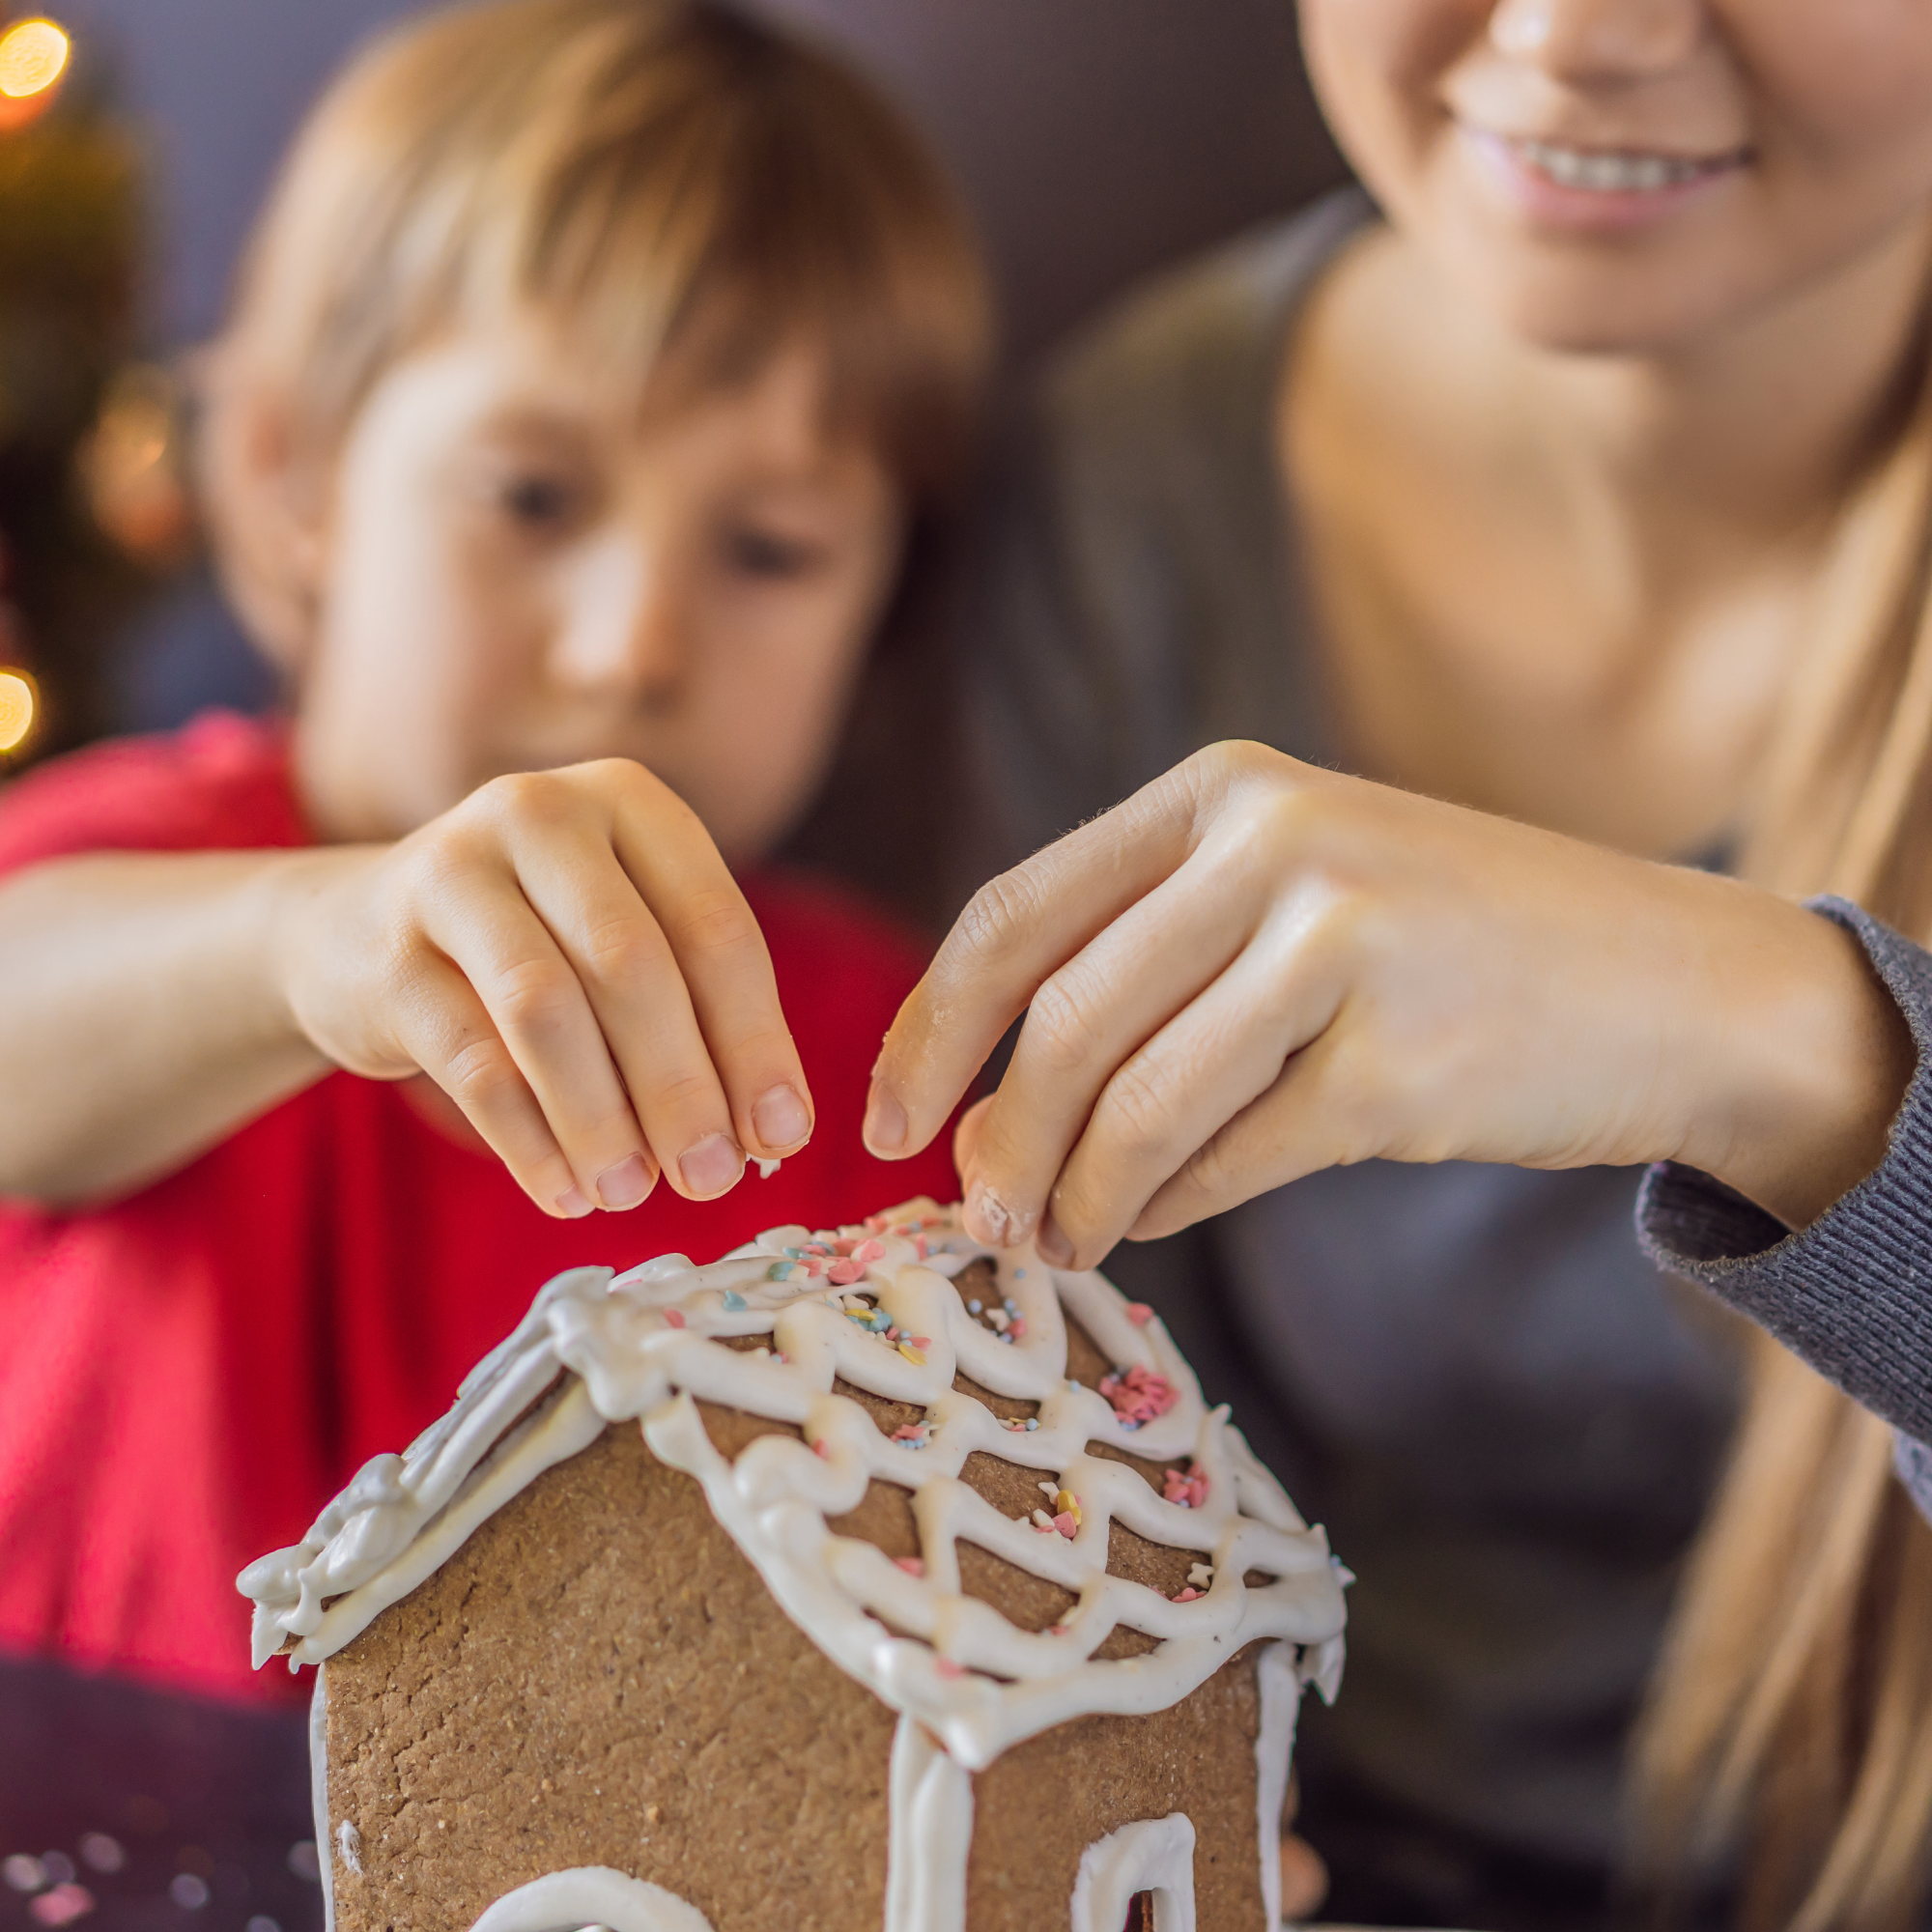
x=1153, y=1855
x=931, y=1834
x=1279, y=1684
x=317, y=1785
x=644, y=1346
x=349, y=1842
x=592, y=1896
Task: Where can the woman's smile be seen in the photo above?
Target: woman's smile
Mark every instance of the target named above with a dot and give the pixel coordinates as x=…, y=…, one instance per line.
x=1560, y=185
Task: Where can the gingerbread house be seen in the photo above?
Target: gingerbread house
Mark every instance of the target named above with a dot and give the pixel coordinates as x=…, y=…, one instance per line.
x=862, y=1578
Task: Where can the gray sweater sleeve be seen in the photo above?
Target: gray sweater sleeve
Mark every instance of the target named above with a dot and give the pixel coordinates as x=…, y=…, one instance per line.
x=1852, y=1293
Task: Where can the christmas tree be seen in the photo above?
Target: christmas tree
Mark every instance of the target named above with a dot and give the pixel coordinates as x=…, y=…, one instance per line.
x=70, y=220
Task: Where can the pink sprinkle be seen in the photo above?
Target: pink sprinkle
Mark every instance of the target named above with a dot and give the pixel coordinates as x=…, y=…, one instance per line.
x=1139, y=1314
x=61, y=1906
x=910, y=1431
x=813, y=1270
x=869, y=1251
x=1139, y=1393
x=1056, y=1630
x=920, y=1340
x=1191, y=1490
x=1065, y=1523
x=878, y=1224
x=911, y=1565
x=841, y=1274
x=674, y=1317
x=946, y=1668
x=820, y=1450
x=1018, y=1330
x=815, y=1248
x=1187, y=1596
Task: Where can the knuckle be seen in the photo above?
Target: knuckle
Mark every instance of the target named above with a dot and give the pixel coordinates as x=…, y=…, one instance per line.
x=1138, y=1115
x=529, y=798
x=1062, y=1027
x=534, y=996
x=480, y=1074
x=622, y=949
x=997, y=917
x=719, y=923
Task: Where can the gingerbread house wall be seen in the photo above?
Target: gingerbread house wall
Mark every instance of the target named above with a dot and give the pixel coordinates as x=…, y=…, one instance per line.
x=599, y=1678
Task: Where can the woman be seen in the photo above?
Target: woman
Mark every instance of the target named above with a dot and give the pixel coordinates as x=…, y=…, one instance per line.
x=1558, y=543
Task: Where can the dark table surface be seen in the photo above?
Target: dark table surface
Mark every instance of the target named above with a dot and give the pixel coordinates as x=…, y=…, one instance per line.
x=129, y=1809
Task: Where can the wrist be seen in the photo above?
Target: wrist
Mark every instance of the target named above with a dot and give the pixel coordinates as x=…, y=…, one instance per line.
x=1813, y=1059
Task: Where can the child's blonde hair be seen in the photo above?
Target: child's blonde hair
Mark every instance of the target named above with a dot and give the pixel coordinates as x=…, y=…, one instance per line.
x=688, y=189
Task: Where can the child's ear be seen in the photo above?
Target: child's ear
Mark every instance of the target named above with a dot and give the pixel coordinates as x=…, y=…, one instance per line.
x=264, y=497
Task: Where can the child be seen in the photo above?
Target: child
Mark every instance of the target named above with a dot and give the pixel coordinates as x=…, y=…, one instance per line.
x=594, y=365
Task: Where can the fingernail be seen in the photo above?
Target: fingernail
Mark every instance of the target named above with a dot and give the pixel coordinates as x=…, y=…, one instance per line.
x=712, y=1166
x=989, y=1220
x=625, y=1185
x=1054, y=1249
x=781, y=1119
x=885, y=1131
x=572, y=1203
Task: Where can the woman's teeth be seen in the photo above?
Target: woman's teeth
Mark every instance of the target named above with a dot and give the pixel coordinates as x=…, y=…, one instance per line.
x=1609, y=174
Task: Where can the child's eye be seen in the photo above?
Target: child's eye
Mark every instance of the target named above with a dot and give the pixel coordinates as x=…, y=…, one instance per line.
x=539, y=503
x=755, y=552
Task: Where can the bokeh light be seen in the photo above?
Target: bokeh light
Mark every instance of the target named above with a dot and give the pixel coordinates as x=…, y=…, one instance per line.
x=33, y=56
x=16, y=708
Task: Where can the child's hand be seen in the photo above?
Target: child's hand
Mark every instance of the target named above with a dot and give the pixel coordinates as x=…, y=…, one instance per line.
x=567, y=957
x=1254, y=969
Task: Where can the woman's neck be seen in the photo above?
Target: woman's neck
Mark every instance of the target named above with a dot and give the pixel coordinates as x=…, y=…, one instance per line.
x=1572, y=587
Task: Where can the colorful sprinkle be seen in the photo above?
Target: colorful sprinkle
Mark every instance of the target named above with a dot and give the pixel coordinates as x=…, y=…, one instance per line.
x=820, y=1450
x=946, y=1668
x=912, y=1354
x=779, y=1271
x=1191, y=1490
x=919, y=1246
x=674, y=1317
x=1187, y=1596
x=1139, y=1314
x=734, y=1303
x=973, y=1308
x=1139, y=1393
x=914, y=1434
x=869, y=1251
x=1017, y=1332
x=842, y=1273
x=911, y=1565
x=1067, y=1525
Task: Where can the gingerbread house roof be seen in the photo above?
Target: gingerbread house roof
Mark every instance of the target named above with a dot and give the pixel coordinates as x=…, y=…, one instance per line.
x=773, y=1330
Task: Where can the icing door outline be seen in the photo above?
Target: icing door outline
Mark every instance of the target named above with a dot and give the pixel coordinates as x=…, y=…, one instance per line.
x=565, y=1901
x=1153, y=1855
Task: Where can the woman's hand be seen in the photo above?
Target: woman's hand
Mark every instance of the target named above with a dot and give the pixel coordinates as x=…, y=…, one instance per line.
x=1254, y=969
x=566, y=956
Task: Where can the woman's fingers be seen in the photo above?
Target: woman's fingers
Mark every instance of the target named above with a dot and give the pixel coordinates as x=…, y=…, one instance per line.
x=1205, y=1067
x=1084, y=1024
x=1018, y=930
x=451, y=1036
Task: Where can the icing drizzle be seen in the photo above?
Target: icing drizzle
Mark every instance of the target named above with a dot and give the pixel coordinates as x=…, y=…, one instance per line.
x=875, y=1306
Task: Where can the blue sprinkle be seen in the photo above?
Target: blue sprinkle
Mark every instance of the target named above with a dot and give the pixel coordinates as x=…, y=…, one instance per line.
x=1007, y=1340
x=973, y=1308
x=1011, y=1306
x=1128, y=1424
x=733, y=1301
x=797, y=1253
x=779, y=1271
x=1033, y=1423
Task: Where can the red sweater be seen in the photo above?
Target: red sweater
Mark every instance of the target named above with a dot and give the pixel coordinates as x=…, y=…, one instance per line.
x=188, y=1375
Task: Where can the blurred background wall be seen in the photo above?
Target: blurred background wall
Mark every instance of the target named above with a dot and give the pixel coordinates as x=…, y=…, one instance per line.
x=1096, y=139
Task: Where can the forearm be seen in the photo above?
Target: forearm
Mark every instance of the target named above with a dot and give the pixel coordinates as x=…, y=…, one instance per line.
x=145, y=1017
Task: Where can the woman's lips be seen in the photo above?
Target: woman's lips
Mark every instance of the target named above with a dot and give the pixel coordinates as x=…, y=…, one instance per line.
x=1559, y=186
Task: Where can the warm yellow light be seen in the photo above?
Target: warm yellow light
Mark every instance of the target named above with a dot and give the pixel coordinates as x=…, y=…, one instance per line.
x=33, y=56
x=16, y=708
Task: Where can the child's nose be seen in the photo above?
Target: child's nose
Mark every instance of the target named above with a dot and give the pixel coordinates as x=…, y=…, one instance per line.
x=626, y=631
x=1600, y=38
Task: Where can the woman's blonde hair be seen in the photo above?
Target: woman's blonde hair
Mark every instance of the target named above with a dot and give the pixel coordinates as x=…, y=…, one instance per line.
x=685, y=189
x=1788, y=1737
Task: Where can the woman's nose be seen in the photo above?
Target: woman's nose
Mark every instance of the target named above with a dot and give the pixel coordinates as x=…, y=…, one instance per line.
x=625, y=627
x=1599, y=39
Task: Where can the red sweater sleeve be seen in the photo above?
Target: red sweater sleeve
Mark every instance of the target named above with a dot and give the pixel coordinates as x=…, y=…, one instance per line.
x=221, y=785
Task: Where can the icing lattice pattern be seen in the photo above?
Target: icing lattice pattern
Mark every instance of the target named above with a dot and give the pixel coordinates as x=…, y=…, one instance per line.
x=876, y=1307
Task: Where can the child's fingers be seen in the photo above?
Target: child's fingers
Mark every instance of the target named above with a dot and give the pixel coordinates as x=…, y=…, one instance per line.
x=538, y=1005
x=452, y=1038
x=724, y=965
x=635, y=989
